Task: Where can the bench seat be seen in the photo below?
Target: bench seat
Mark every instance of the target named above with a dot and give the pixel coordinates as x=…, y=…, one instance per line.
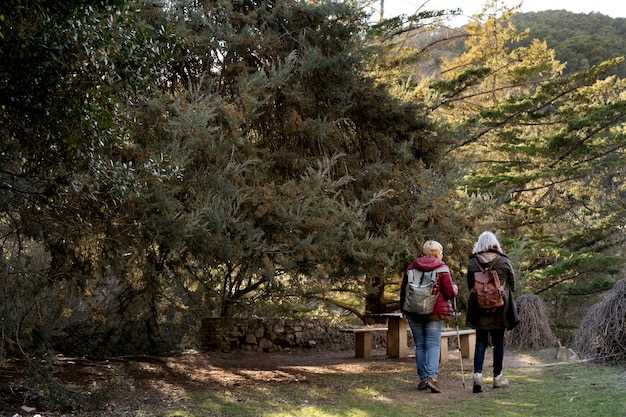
x=363, y=339
x=467, y=339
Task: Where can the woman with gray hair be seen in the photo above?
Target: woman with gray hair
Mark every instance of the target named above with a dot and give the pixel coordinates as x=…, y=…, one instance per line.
x=491, y=309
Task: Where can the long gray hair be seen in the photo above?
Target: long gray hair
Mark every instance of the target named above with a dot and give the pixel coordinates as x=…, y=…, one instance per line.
x=485, y=242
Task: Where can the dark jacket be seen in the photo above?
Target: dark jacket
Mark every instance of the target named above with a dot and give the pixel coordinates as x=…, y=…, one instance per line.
x=504, y=317
x=443, y=285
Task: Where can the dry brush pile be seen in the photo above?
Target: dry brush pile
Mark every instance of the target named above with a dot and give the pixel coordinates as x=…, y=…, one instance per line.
x=533, y=331
x=602, y=333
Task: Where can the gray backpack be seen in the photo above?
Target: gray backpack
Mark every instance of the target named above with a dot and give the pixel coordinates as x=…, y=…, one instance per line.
x=419, y=290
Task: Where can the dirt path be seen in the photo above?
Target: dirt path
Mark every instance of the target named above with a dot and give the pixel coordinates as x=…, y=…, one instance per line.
x=164, y=381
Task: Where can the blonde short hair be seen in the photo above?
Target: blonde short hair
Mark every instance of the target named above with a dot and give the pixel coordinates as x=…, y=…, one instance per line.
x=432, y=248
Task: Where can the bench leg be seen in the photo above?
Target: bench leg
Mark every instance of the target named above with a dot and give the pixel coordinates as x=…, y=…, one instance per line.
x=468, y=344
x=443, y=350
x=363, y=345
x=396, y=338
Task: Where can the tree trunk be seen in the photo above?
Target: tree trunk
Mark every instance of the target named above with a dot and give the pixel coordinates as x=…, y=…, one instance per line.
x=226, y=308
x=374, y=299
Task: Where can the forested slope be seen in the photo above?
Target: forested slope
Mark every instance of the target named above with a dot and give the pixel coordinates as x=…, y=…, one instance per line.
x=580, y=40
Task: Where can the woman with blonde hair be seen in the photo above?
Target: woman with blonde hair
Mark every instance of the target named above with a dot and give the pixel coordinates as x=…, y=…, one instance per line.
x=426, y=288
x=490, y=279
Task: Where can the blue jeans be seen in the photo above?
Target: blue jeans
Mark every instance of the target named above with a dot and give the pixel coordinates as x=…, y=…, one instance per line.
x=426, y=336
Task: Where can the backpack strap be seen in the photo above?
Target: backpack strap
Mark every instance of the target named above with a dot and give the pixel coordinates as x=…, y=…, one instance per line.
x=442, y=268
x=436, y=271
x=493, y=264
x=411, y=276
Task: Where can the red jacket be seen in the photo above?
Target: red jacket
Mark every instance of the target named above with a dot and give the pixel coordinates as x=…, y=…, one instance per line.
x=443, y=286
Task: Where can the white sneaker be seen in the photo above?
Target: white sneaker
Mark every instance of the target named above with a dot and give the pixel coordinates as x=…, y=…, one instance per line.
x=478, y=383
x=500, y=381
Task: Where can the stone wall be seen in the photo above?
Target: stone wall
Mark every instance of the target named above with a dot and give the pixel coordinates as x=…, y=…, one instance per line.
x=274, y=335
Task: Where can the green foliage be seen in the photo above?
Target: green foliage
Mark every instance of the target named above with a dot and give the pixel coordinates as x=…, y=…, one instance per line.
x=546, y=148
x=560, y=178
x=70, y=73
x=160, y=163
x=198, y=160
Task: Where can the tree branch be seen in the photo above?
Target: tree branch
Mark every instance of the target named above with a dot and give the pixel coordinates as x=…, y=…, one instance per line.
x=513, y=116
x=558, y=282
x=587, y=137
x=250, y=288
x=541, y=187
x=339, y=304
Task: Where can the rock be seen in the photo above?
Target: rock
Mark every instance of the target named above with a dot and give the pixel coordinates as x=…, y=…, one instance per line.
x=251, y=339
x=562, y=354
x=259, y=332
x=279, y=328
x=297, y=329
x=312, y=343
x=573, y=356
x=265, y=344
x=28, y=409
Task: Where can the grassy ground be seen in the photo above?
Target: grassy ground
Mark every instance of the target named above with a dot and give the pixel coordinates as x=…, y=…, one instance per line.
x=569, y=391
x=332, y=384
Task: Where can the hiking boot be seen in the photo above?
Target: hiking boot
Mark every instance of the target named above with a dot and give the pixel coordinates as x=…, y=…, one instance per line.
x=421, y=386
x=500, y=381
x=432, y=385
x=478, y=383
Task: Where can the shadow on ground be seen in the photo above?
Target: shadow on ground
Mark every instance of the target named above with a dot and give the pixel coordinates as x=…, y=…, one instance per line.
x=334, y=385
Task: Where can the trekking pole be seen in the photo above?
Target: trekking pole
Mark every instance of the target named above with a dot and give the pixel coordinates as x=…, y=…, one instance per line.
x=458, y=340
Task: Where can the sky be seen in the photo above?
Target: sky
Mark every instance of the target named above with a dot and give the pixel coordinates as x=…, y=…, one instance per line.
x=614, y=8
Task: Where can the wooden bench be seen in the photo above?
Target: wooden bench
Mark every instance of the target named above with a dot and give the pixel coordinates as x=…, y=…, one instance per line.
x=468, y=342
x=363, y=339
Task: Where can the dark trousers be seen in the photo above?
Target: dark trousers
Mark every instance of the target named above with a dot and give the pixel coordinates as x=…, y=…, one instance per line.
x=482, y=340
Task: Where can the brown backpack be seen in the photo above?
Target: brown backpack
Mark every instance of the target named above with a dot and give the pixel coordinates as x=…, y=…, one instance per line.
x=487, y=288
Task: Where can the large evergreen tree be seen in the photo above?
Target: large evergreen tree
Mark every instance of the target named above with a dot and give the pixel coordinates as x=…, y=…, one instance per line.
x=546, y=147
x=197, y=159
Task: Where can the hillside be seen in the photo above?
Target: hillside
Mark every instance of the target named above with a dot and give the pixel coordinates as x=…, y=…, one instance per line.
x=580, y=40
